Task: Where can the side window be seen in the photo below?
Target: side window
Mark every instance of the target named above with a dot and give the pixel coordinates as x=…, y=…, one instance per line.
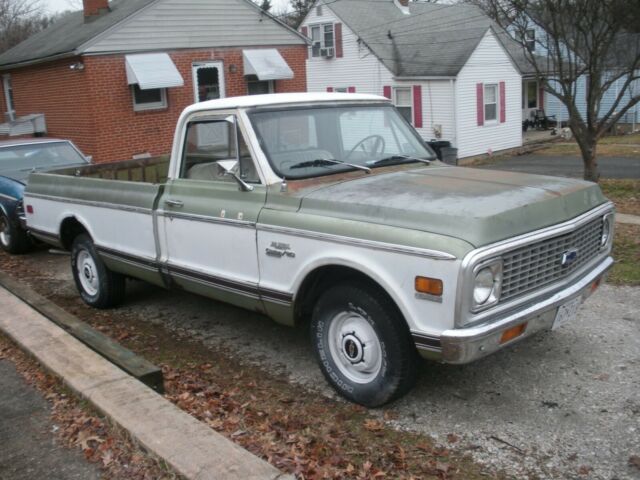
x=211, y=142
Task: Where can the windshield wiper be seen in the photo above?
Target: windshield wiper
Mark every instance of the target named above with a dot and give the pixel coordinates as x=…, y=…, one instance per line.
x=394, y=158
x=320, y=162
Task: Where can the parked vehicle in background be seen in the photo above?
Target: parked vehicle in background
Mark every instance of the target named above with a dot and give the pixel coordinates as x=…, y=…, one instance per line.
x=330, y=208
x=18, y=158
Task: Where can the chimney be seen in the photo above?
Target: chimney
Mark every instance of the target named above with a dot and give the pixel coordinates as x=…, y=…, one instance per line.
x=94, y=8
x=403, y=5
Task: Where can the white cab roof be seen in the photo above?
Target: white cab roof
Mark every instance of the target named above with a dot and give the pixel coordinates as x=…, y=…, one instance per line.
x=279, y=99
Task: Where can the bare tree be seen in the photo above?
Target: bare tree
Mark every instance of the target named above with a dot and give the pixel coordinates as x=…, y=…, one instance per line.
x=20, y=19
x=590, y=43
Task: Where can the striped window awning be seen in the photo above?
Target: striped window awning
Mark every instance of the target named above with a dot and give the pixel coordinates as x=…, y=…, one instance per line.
x=152, y=70
x=266, y=64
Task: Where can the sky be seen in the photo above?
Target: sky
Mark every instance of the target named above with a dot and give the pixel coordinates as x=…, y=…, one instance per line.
x=54, y=6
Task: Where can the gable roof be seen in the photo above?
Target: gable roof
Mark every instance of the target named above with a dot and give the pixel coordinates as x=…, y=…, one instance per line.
x=71, y=35
x=434, y=40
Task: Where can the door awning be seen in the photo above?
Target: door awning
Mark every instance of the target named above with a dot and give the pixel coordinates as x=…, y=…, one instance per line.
x=152, y=70
x=266, y=64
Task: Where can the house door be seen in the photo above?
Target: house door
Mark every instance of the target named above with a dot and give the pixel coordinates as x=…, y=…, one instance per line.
x=208, y=81
x=529, y=99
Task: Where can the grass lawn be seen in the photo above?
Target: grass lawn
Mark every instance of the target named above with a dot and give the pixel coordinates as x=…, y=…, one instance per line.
x=624, y=193
x=604, y=149
x=626, y=251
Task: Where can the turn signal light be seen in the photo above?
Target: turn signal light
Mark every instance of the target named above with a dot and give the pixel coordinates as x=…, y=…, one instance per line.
x=512, y=333
x=432, y=286
x=29, y=209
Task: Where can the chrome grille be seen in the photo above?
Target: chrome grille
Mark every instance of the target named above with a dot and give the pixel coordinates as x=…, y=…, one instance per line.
x=539, y=264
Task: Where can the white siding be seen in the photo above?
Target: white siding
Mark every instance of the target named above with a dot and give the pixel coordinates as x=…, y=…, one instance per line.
x=357, y=68
x=173, y=24
x=489, y=63
x=361, y=69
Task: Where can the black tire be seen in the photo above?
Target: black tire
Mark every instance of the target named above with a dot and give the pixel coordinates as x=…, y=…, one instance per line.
x=13, y=239
x=350, y=307
x=98, y=286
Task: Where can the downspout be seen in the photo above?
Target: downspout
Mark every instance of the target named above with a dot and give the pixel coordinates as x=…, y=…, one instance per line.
x=455, y=117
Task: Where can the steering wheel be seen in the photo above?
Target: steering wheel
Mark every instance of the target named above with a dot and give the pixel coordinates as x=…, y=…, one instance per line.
x=380, y=143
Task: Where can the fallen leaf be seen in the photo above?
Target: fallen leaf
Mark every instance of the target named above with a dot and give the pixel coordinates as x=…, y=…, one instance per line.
x=373, y=425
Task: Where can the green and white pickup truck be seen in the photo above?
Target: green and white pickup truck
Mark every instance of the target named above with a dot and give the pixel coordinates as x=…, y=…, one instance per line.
x=330, y=208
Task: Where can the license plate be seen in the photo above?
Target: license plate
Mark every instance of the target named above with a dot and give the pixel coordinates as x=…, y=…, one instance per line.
x=566, y=312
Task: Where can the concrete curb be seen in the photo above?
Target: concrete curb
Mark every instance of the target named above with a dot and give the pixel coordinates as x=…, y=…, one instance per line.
x=191, y=448
x=627, y=218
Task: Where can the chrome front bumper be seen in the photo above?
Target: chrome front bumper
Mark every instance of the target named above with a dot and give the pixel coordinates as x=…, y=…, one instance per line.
x=465, y=345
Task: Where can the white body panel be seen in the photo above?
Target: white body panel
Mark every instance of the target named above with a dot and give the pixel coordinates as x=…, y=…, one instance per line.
x=125, y=231
x=395, y=272
x=489, y=64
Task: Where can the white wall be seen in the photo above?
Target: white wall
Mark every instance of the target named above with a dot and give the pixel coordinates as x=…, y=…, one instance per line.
x=361, y=69
x=489, y=63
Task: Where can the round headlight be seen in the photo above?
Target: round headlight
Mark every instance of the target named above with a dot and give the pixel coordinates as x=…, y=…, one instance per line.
x=483, y=286
x=606, y=231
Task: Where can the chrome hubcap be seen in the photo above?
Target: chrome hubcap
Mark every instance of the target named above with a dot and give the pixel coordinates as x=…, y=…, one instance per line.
x=355, y=347
x=87, y=273
x=5, y=233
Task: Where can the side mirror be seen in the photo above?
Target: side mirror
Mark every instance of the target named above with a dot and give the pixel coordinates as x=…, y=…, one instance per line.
x=228, y=167
x=89, y=158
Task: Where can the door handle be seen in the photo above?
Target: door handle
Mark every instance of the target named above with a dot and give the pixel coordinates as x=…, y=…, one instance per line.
x=174, y=203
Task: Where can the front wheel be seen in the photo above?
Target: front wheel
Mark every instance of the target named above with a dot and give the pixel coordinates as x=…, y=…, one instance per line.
x=363, y=344
x=13, y=239
x=98, y=286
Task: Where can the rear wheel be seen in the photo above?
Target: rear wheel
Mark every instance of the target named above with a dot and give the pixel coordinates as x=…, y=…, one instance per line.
x=98, y=286
x=13, y=239
x=363, y=344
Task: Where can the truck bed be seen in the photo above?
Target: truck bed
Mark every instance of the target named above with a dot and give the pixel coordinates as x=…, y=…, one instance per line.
x=147, y=170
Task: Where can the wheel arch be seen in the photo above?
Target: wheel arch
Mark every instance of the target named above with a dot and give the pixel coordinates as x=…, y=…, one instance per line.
x=319, y=276
x=70, y=228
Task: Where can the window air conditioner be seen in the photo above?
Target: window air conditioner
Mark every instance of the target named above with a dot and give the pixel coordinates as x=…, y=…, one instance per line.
x=327, y=52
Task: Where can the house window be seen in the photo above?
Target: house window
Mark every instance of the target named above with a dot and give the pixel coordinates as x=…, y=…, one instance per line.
x=341, y=89
x=8, y=97
x=532, y=94
x=321, y=38
x=530, y=39
x=150, y=99
x=403, y=102
x=258, y=87
x=490, y=103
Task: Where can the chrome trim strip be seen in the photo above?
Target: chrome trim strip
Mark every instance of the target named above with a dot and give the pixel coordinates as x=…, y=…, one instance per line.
x=426, y=342
x=89, y=203
x=463, y=345
x=420, y=252
x=129, y=261
x=496, y=249
x=214, y=285
x=9, y=197
x=204, y=218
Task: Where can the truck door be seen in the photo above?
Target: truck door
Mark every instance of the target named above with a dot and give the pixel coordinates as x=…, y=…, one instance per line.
x=209, y=217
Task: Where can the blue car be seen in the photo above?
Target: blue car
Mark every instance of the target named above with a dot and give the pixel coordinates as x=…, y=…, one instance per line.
x=18, y=158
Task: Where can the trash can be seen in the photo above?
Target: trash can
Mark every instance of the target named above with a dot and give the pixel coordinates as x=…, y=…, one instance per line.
x=450, y=155
x=438, y=145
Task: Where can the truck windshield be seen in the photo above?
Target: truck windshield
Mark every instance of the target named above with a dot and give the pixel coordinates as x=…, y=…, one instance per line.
x=313, y=141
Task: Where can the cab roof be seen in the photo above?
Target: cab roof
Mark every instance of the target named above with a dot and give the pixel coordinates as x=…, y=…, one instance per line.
x=279, y=99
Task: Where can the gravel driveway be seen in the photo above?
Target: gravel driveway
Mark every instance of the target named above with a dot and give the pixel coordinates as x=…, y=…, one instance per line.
x=560, y=405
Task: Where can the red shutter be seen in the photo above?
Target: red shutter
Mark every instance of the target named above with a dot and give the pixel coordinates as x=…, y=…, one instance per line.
x=351, y=89
x=337, y=34
x=480, y=104
x=386, y=91
x=329, y=89
x=417, y=106
x=503, y=103
x=305, y=32
x=541, y=98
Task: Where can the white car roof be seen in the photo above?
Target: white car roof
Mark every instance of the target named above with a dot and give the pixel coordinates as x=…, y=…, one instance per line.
x=279, y=99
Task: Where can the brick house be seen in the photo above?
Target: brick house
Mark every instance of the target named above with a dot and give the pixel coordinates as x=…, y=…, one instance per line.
x=114, y=77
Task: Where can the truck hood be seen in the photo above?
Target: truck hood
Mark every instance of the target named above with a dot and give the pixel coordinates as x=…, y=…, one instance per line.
x=478, y=206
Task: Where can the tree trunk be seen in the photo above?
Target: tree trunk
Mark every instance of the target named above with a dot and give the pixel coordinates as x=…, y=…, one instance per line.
x=589, y=158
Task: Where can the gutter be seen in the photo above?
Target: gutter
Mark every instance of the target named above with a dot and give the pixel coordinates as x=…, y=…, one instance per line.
x=26, y=63
x=440, y=77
